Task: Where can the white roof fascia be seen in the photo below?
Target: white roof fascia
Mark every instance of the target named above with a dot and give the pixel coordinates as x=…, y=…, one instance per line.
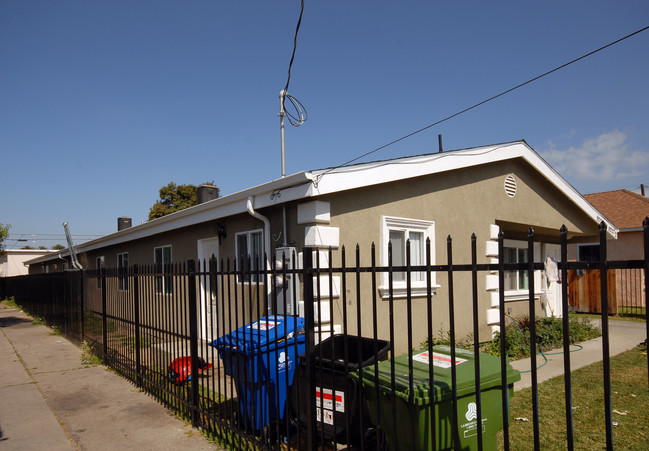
x=341, y=179
x=316, y=183
x=232, y=204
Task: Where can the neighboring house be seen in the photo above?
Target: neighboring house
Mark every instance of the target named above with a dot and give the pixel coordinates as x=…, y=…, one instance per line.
x=482, y=190
x=12, y=260
x=627, y=211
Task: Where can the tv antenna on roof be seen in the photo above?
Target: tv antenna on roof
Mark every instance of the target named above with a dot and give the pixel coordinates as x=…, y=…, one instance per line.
x=299, y=116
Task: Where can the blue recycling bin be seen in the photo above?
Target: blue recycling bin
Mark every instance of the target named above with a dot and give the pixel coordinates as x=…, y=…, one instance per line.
x=262, y=357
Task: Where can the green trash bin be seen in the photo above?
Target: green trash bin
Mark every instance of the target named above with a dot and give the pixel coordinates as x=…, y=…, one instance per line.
x=401, y=438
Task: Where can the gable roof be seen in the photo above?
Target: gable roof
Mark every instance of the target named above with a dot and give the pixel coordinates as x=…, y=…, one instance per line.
x=311, y=184
x=624, y=208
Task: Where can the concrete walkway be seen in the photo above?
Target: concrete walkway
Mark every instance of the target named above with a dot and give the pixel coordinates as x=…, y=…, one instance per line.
x=624, y=335
x=50, y=400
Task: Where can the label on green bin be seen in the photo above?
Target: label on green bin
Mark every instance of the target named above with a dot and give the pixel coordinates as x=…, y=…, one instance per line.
x=470, y=428
x=440, y=360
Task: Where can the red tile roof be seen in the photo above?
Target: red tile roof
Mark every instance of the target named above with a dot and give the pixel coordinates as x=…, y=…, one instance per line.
x=626, y=210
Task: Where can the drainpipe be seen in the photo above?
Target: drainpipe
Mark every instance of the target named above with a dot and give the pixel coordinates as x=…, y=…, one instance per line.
x=264, y=219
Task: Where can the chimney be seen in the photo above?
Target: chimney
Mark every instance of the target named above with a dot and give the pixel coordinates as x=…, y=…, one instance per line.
x=123, y=223
x=439, y=140
x=205, y=193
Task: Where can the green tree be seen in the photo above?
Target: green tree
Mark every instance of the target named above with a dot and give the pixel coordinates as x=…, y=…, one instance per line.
x=174, y=198
x=58, y=247
x=4, y=233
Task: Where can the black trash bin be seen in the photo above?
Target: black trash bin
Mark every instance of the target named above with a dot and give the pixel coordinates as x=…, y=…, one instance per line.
x=339, y=398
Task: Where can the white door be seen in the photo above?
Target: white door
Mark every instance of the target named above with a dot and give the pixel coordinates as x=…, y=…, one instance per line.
x=208, y=250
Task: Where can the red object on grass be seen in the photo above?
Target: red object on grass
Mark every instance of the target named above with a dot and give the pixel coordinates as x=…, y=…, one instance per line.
x=180, y=369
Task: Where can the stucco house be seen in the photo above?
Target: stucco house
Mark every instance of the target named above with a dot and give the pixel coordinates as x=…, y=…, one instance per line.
x=627, y=211
x=480, y=190
x=12, y=261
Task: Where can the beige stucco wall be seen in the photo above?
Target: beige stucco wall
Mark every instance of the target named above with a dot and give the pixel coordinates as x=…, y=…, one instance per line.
x=460, y=203
x=12, y=261
x=627, y=246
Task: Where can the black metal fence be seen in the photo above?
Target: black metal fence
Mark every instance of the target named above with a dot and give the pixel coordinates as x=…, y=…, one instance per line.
x=199, y=338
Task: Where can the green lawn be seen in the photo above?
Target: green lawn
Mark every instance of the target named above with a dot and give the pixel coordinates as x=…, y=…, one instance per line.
x=630, y=404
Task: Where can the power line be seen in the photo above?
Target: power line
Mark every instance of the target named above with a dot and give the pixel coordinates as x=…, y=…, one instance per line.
x=297, y=29
x=487, y=100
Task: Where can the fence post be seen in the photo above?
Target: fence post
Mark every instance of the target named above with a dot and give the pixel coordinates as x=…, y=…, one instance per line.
x=503, y=352
x=136, y=318
x=532, y=316
x=82, y=279
x=603, y=277
x=645, y=226
x=566, y=339
x=104, y=329
x=193, y=339
x=307, y=277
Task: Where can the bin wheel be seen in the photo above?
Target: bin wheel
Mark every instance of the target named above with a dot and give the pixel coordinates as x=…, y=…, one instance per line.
x=269, y=434
x=373, y=437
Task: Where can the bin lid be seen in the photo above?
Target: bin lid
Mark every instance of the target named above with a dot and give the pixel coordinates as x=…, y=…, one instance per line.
x=262, y=335
x=441, y=362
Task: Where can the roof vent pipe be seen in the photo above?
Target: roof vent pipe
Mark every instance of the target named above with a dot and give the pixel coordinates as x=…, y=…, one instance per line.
x=439, y=140
x=73, y=252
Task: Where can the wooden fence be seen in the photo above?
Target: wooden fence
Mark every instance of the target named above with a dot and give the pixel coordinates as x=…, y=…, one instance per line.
x=625, y=290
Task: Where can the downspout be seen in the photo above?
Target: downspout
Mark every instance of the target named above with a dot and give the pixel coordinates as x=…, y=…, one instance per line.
x=264, y=219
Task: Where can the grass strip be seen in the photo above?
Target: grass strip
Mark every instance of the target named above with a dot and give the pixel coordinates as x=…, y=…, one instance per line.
x=630, y=404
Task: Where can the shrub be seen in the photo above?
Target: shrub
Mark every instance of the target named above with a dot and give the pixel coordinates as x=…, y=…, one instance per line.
x=549, y=335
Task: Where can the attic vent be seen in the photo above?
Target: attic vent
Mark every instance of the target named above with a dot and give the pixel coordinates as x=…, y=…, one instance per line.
x=510, y=186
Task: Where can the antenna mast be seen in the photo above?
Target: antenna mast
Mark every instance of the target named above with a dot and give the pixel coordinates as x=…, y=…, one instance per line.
x=282, y=115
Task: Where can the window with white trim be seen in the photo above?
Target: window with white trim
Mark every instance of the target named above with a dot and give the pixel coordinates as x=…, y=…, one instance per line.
x=250, y=254
x=162, y=262
x=122, y=271
x=400, y=232
x=588, y=252
x=516, y=280
x=517, y=283
x=99, y=265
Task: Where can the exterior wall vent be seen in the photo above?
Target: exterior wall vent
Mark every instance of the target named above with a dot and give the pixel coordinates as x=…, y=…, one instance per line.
x=510, y=186
x=123, y=223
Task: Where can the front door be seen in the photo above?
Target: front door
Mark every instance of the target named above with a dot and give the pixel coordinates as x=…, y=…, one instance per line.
x=208, y=250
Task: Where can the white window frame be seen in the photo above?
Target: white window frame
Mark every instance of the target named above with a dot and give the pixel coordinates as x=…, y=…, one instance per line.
x=516, y=295
x=122, y=278
x=100, y=263
x=417, y=287
x=583, y=245
x=163, y=284
x=249, y=234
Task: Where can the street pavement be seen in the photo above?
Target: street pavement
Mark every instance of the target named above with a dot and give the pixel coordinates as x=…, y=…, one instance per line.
x=50, y=400
x=623, y=335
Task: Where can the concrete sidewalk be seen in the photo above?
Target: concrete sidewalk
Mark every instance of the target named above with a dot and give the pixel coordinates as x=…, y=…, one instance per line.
x=50, y=400
x=623, y=335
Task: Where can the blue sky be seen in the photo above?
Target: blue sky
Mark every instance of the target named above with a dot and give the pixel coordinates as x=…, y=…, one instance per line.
x=104, y=102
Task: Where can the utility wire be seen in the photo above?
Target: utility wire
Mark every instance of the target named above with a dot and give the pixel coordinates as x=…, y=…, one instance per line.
x=299, y=116
x=297, y=29
x=487, y=100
